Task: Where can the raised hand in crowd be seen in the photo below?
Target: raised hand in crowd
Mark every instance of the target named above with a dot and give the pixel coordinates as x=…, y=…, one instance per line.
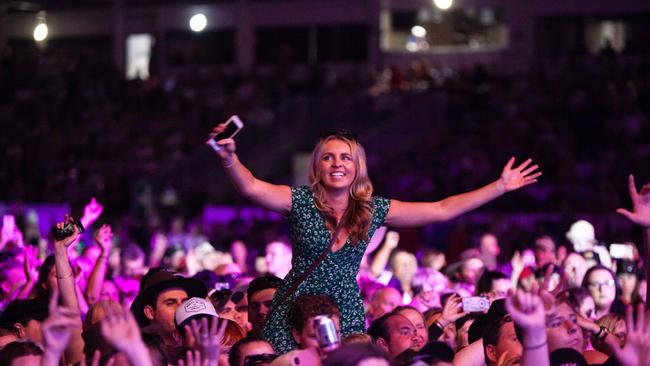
x=30, y=269
x=158, y=246
x=452, y=311
x=123, y=333
x=97, y=355
x=380, y=259
x=527, y=311
x=636, y=351
x=228, y=146
x=68, y=240
x=515, y=178
x=58, y=329
x=207, y=338
x=194, y=359
x=640, y=213
x=92, y=211
x=103, y=239
x=10, y=232
x=65, y=278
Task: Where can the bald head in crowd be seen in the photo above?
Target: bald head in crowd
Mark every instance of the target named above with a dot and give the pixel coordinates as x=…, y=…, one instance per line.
x=383, y=301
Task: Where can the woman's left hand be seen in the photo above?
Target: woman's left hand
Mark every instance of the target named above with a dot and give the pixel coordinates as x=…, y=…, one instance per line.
x=515, y=178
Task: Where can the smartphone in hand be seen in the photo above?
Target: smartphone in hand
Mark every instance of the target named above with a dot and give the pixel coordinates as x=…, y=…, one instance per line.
x=476, y=304
x=621, y=251
x=233, y=126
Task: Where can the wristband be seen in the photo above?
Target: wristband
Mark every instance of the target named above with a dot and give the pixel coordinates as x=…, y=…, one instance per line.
x=232, y=163
x=530, y=348
x=64, y=277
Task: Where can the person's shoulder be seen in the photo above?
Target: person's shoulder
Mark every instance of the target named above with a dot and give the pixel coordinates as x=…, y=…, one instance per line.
x=301, y=192
x=380, y=203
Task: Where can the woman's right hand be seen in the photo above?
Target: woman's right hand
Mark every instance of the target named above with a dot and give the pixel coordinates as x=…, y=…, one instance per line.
x=453, y=310
x=228, y=146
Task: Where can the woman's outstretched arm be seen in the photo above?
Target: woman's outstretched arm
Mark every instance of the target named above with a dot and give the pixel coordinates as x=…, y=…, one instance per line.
x=270, y=196
x=406, y=214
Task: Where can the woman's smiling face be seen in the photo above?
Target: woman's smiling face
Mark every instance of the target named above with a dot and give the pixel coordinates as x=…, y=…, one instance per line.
x=336, y=165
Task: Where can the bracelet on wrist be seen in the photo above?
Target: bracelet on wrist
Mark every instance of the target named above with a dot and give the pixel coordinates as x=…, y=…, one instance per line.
x=537, y=346
x=602, y=333
x=64, y=277
x=228, y=163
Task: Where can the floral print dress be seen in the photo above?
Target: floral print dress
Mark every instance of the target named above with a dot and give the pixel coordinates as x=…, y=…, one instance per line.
x=335, y=276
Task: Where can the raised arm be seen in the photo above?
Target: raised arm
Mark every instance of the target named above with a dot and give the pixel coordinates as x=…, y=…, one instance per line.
x=527, y=311
x=270, y=196
x=640, y=215
x=408, y=214
x=66, y=284
x=380, y=259
x=96, y=280
x=92, y=211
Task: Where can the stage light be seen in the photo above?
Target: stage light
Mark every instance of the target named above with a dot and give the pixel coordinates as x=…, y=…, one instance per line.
x=198, y=22
x=443, y=4
x=419, y=31
x=40, y=32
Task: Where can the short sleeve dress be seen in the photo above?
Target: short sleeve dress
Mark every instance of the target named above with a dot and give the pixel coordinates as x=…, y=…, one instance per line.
x=335, y=276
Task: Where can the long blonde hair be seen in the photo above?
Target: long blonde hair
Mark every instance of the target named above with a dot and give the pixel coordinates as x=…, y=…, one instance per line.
x=358, y=215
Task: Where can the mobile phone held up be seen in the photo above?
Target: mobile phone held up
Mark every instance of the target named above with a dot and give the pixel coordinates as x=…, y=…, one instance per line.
x=68, y=229
x=233, y=126
x=621, y=251
x=476, y=304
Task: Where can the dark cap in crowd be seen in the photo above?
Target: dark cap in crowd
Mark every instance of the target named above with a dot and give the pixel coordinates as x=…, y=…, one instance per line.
x=626, y=266
x=21, y=311
x=567, y=356
x=158, y=280
x=262, y=283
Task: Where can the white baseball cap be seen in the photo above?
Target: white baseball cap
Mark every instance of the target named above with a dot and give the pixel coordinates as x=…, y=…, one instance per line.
x=581, y=233
x=193, y=308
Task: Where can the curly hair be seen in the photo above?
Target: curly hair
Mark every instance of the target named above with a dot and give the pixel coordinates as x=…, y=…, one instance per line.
x=307, y=306
x=358, y=215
